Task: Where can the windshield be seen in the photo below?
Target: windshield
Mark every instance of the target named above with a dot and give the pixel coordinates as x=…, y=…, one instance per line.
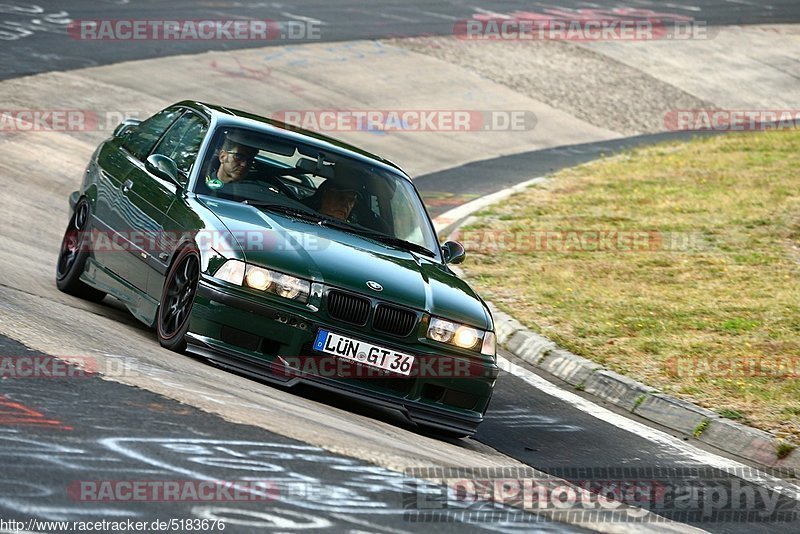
x=249, y=166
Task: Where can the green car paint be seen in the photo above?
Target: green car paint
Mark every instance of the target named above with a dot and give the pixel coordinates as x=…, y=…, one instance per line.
x=142, y=217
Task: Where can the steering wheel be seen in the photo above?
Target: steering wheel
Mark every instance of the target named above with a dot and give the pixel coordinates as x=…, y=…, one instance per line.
x=267, y=180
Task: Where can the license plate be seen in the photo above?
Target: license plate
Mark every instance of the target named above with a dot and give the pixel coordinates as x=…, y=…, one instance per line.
x=363, y=352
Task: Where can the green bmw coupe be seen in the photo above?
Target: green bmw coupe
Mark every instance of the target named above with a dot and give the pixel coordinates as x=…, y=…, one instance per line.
x=282, y=254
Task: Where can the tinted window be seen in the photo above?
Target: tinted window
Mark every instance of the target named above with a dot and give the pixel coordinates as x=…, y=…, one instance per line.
x=182, y=141
x=141, y=140
x=363, y=197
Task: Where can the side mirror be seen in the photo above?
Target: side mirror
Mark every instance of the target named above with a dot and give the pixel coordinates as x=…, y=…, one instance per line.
x=453, y=252
x=163, y=167
x=125, y=126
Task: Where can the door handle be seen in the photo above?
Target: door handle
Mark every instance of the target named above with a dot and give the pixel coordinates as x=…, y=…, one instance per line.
x=127, y=186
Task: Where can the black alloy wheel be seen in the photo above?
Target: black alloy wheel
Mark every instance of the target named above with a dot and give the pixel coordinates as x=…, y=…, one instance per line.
x=177, y=298
x=75, y=248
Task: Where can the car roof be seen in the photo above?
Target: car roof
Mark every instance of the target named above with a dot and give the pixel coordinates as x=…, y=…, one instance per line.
x=224, y=116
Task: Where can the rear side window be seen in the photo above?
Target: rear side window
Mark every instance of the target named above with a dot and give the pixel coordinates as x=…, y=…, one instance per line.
x=182, y=141
x=141, y=140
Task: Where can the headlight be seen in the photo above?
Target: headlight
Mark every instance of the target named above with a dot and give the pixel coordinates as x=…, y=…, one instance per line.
x=284, y=285
x=290, y=287
x=441, y=330
x=466, y=337
x=463, y=336
x=258, y=278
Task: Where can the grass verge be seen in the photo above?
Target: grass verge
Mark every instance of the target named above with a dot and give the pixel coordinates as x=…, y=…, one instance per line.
x=675, y=264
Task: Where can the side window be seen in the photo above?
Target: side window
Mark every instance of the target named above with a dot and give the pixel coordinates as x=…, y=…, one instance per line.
x=143, y=138
x=182, y=141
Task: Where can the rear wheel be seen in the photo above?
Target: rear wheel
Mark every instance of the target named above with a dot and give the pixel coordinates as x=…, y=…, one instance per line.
x=73, y=254
x=177, y=298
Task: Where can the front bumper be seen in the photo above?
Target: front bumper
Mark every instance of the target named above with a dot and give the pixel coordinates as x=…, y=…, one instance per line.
x=270, y=340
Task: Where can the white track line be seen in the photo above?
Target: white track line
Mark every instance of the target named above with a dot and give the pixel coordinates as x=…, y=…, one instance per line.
x=668, y=442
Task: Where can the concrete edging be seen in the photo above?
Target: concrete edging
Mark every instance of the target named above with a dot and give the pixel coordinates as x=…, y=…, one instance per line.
x=677, y=414
x=640, y=399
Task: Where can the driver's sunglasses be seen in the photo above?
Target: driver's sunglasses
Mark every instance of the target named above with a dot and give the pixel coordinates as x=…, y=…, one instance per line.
x=241, y=157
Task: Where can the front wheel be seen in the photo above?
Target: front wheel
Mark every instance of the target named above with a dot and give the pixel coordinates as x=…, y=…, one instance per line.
x=73, y=255
x=177, y=298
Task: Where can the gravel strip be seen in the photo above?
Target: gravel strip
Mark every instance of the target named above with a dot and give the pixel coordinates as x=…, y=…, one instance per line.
x=569, y=77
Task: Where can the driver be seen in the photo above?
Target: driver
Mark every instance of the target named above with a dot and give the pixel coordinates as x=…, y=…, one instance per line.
x=235, y=160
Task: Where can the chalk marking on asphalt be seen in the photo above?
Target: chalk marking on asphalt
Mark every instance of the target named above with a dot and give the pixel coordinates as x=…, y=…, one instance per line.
x=303, y=18
x=361, y=522
x=651, y=434
x=393, y=16
x=491, y=13
x=62, y=513
x=743, y=3
x=121, y=447
x=438, y=15
x=685, y=8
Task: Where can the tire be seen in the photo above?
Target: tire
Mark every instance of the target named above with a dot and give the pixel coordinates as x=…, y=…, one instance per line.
x=73, y=254
x=177, y=298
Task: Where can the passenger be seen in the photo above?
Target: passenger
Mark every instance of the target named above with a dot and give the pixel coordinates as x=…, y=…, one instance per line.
x=336, y=200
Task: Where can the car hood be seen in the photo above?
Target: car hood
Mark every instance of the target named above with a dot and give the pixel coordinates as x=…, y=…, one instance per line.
x=349, y=261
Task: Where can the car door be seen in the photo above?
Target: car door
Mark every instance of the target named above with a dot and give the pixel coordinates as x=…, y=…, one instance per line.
x=117, y=160
x=152, y=196
x=109, y=170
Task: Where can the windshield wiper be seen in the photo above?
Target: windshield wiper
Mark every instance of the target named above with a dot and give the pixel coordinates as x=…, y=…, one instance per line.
x=300, y=213
x=392, y=241
x=330, y=222
x=375, y=236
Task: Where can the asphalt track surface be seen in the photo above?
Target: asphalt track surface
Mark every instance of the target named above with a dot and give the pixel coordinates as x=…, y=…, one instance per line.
x=67, y=455
x=452, y=187
x=35, y=39
x=55, y=432
x=68, y=446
